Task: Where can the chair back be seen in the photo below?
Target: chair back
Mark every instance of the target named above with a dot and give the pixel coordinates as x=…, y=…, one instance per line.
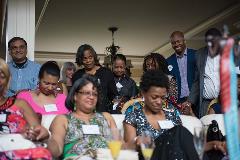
x=118, y=118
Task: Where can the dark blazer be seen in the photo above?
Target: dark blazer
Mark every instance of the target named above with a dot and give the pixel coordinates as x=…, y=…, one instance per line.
x=191, y=66
x=196, y=94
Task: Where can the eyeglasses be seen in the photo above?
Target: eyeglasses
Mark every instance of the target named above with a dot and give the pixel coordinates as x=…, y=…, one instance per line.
x=15, y=48
x=88, y=93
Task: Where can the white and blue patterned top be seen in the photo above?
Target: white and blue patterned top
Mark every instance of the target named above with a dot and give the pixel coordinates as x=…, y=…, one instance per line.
x=137, y=119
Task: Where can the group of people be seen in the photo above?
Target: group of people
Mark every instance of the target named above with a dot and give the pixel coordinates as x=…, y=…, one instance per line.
x=184, y=83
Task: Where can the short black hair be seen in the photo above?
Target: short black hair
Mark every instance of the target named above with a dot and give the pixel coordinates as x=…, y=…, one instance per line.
x=80, y=54
x=50, y=67
x=177, y=33
x=15, y=39
x=121, y=57
x=155, y=78
x=81, y=82
x=213, y=32
x=159, y=60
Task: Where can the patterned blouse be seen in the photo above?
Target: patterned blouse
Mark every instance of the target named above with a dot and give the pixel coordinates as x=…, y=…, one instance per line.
x=137, y=119
x=78, y=144
x=173, y=89
x=14, y=122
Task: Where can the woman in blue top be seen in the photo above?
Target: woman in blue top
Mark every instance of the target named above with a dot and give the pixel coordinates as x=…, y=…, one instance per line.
x=154, y=88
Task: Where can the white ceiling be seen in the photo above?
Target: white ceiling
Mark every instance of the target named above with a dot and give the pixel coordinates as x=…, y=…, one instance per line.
x=144, y=25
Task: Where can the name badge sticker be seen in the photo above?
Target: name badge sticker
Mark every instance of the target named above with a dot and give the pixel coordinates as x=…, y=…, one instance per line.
x=165, y=124
x=119, y=85
x=90, y=129
x=50, y=107
x=3, y=117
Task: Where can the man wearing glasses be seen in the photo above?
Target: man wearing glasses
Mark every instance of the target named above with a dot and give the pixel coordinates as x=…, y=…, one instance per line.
x=24, y=73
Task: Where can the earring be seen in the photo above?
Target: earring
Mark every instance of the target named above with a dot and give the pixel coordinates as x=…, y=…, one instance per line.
x=74, y=107
x=38, y=89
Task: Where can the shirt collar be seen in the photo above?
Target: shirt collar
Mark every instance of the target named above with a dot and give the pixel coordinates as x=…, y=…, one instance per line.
x=121, y=78
x=15, y=66
x=184, y=54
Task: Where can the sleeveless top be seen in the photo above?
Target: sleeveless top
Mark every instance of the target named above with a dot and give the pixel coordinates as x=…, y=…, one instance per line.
x=15, y=123
x=59, y=101
x=77, y=143
x=12, y=120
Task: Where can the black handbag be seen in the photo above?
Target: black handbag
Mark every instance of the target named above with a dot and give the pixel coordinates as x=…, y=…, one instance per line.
x=214, y=134
x=175, y=143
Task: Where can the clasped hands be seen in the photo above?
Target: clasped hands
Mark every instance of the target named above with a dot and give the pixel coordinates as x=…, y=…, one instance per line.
x=36, y=133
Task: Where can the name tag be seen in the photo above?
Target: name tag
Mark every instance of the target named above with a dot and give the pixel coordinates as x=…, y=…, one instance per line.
x=119, y=85
x=115, y=106
x=90, y=129
x=50, y=107
x=3, y=117
x=165, y=124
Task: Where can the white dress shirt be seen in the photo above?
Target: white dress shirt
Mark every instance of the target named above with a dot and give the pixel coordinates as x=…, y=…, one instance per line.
x=211, y=87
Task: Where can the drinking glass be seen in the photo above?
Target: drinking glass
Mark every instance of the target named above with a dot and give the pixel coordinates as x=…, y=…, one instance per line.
x=199, y=140
x=116, y=102
x=147, y=144
x=115, y=142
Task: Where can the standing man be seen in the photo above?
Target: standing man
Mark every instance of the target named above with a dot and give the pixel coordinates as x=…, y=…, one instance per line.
x=181, y=65
x=24, y=73
x=206, y=86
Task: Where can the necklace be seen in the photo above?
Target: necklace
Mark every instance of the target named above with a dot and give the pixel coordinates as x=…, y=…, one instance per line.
x=8, y=103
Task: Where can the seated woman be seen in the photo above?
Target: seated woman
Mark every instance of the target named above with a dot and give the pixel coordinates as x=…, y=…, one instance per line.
x=46, y=99
x=156, y=61
x=83, y=130
x=153, y=86
x=18, y=117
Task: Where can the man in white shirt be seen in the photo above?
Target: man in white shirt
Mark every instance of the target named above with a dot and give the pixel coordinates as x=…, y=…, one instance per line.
x=206, y=86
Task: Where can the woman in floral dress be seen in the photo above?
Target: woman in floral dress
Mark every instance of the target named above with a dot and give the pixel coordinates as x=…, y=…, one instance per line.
x=17, y=117
x=84, y=130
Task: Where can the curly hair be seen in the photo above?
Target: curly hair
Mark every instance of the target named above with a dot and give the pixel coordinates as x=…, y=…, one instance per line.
x=155, y=78
x=158, y=60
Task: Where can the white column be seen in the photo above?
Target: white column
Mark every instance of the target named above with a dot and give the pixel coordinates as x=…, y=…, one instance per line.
x=21, y=23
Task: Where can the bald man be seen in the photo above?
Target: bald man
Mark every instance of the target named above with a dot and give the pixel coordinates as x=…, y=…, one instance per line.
x=182, y=65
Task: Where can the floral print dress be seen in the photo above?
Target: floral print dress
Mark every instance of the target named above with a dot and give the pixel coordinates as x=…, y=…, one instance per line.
x=136, y=117
x=14, y=122
x=78, y=144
